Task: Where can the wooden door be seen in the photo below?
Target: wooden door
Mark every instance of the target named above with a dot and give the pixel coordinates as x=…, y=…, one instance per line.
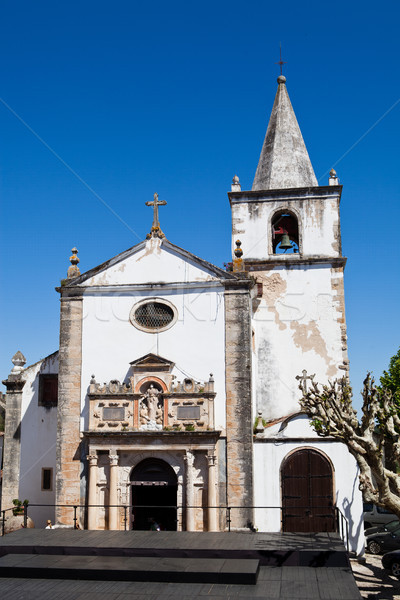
x=307, y=493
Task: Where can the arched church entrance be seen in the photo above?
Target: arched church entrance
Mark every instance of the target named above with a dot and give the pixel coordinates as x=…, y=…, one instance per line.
x=153, y=488
x=307, y=492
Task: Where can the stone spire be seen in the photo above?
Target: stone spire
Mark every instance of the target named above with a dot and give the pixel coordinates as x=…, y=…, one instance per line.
x=284, y=160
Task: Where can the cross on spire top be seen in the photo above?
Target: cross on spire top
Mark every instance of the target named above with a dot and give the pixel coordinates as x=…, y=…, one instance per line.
x=155, y=228
x=281, y=62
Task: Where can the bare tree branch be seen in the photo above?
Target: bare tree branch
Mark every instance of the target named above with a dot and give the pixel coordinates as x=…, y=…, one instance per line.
x=373, y=440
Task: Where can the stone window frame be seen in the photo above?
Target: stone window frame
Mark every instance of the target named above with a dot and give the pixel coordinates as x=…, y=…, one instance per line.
x=137, y=305
x=42, y=482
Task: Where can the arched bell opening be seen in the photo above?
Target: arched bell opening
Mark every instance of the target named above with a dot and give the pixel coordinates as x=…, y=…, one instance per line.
x=285, y=233
x=154, y=488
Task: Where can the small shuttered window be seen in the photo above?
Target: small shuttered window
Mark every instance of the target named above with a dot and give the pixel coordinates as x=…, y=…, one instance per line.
x=48, y=390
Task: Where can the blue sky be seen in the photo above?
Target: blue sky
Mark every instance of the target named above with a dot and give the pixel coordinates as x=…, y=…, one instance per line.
x=175, y=98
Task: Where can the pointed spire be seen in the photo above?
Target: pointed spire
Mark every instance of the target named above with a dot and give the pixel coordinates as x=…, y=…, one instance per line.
x=284, y=160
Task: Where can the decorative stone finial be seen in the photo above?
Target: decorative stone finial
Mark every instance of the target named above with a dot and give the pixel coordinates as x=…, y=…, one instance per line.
x=18, y=360
x=73, y=270
x=281, y=79
x=333, y=180
x=238, y=250
x=236, y=187
x=155, y=229
x=259, y=428
x=238, y=261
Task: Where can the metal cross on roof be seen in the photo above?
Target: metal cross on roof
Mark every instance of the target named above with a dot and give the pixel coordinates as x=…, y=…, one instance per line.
x=303, y=380
x=155, y=204
x=281, y=62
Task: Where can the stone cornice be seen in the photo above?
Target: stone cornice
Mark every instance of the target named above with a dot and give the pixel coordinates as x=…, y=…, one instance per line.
x=288, y=194
x=14, y=384
x=291, y=260
x=297, y=440
x=125, y=438
x=245, y=283
x=77, y=292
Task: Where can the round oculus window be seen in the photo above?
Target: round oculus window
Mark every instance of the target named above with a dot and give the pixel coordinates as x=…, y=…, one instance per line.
x=153, y=315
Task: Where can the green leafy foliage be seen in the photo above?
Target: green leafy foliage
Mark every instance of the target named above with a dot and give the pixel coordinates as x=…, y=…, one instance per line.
x=391, y=378
x=19, y=506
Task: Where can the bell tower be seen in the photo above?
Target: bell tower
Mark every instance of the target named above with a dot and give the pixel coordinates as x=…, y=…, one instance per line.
x=289, y=228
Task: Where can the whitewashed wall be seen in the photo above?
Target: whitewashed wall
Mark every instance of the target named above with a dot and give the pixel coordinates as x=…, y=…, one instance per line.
x=38, y=442
x=196, y=343
x=268, y=458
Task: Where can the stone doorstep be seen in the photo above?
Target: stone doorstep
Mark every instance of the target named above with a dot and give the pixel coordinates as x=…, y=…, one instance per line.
x=174, y=570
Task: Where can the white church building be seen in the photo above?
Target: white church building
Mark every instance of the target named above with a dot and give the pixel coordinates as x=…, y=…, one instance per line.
x=174, y=395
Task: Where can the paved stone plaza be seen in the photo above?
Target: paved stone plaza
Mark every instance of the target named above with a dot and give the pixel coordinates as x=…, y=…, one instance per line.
x=290, y=566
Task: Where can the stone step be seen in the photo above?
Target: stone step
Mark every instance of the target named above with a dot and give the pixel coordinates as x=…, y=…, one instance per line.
x=113, y=568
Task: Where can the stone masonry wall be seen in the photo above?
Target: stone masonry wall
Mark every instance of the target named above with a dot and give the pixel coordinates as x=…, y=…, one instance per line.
x=238, y=405
x=12, y=441
x=69, y=408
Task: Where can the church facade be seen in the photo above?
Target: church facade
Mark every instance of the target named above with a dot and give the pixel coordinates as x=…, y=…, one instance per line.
x=174, y=396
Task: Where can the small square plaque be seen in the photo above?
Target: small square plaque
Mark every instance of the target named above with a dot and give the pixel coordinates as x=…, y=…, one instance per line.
x=113, y=414
x=188, y=412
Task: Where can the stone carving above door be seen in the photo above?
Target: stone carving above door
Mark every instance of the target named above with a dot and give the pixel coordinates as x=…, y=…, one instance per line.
x=151, y=399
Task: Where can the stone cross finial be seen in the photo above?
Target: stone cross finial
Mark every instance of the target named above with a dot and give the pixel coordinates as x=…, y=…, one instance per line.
x=303, y=380
x=281, y=62
x=155, y=229
x=73, y=270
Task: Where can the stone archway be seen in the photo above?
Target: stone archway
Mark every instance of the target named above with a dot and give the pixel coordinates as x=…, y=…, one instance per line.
x=153, y=495
x=307, y=492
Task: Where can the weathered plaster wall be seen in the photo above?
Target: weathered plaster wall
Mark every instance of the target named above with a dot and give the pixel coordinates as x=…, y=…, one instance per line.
x=299, y=324
x=269, y=454
x=38, y=442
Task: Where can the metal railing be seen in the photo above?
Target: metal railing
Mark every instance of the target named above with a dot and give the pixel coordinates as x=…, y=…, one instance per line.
x=339, y=520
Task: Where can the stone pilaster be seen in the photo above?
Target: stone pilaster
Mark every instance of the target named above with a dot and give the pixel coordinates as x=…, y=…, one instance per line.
x=239, y=430
x=12, y=440
x=337, y=282
x=69, y=408
x=92, y=495
x=190, y=511
x=212, y=493
x=113, y=510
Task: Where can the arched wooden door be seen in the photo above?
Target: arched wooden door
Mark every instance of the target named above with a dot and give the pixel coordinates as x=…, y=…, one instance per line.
x=307, y=493
x=154, y=491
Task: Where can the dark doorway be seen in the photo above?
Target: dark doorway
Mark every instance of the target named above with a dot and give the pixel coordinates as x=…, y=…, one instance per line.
x=154, y=487
x=307, y=493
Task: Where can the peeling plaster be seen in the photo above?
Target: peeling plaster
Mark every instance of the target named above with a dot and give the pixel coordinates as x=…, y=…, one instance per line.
x=308, y=337
x=274, y=287
x=153, y=246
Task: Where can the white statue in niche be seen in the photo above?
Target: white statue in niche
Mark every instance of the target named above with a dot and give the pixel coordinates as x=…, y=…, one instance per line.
x=151, y=413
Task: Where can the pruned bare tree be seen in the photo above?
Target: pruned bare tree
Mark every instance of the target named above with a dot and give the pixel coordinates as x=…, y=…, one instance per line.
x=373, y=440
